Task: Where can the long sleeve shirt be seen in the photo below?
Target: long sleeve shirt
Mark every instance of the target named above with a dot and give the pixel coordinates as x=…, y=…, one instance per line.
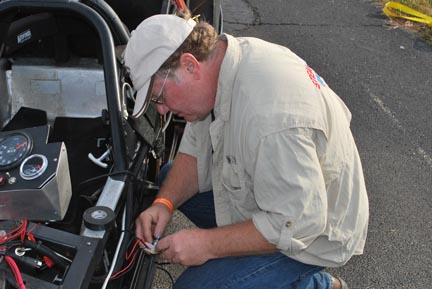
x=280, y=152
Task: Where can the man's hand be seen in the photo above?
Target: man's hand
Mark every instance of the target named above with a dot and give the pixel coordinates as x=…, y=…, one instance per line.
x=179, y=186
x=196, y=246
x=187, y=247
x=152, y=222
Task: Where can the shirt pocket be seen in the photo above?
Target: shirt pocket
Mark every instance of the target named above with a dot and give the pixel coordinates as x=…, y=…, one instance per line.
x=233, y=176
x=240, y=195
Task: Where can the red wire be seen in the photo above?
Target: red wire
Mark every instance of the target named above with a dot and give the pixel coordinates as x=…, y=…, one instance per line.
x=32, y=228
x=16, y=272
x=23, y=230
x=29, y=233
x=13, y=234
x=125, y=268
x=19, y=231
x=128, y=255
x=132, y=254
x=14, y=231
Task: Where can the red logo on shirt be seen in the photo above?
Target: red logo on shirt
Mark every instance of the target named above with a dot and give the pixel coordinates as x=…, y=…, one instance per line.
x=312, y=76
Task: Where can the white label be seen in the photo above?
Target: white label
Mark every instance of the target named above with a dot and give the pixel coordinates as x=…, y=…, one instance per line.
x=26, y=35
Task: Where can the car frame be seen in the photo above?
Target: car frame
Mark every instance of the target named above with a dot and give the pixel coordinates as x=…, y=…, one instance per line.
x=77, y=168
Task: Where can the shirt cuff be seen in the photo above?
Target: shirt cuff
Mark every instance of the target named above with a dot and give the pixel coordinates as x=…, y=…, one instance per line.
x=278, y=230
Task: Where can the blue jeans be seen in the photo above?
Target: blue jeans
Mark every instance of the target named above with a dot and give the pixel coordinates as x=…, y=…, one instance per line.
x=267, y=271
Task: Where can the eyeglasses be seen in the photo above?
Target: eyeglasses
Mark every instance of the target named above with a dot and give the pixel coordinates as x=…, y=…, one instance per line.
x=159, y=99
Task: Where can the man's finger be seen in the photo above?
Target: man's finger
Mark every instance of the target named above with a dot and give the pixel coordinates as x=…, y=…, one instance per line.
x=161, y=224
x=144, y=227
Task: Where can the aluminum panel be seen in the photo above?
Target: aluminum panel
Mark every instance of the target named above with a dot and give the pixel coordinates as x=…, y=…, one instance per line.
x=76, y=89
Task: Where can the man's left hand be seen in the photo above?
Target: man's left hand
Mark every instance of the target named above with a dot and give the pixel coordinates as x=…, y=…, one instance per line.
x=187, y=247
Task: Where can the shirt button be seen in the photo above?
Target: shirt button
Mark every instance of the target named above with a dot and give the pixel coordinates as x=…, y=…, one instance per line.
x=288, y=224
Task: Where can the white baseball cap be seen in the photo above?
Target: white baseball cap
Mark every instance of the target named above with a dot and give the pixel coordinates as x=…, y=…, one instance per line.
x=149, y=46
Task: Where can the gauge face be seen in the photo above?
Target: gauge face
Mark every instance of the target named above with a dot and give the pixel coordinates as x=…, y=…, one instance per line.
x=14, y=148
x=33, y=167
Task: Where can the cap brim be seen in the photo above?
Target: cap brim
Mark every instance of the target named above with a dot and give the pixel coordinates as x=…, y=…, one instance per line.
x=143, y=98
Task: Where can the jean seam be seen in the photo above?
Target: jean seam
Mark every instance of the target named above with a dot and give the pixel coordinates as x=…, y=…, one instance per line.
x=307, y=273
x=245, y=277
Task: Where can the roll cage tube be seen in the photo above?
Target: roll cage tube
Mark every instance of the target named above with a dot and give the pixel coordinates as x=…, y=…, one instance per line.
x=120, y=32
x=109, y=60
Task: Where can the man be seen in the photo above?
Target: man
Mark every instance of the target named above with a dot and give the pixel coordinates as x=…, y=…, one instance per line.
x=267, y=167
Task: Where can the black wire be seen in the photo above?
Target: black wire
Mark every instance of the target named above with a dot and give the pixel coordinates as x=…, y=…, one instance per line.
x=168, y=273
x=11, y=243
x=47, y=251
x=105, y=176
x=8, y=274
x=163, y=263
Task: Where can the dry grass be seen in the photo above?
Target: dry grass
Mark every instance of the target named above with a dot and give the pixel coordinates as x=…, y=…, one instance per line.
x=423, y=6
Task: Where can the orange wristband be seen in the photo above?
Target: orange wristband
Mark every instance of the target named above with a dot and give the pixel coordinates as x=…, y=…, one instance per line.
x=166, y=202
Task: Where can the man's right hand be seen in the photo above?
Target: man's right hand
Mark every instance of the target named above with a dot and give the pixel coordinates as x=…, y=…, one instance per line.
x=152, y=222
x=178, y=187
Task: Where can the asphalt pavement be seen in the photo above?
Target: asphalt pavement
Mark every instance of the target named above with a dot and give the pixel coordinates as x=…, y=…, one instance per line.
x=384, y=75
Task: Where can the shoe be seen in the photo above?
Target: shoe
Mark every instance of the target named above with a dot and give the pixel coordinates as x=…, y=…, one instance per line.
x=343, y=284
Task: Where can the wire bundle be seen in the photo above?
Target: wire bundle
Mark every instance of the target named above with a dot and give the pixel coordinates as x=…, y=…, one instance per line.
x=16, y=272
x=129, y=256
x=19, y=231
x=5, y=240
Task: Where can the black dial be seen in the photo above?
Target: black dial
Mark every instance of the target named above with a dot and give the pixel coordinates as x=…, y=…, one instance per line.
x=13, y=149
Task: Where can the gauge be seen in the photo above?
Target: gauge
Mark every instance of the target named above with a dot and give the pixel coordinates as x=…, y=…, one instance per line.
x=14, y=147
x=33, y=167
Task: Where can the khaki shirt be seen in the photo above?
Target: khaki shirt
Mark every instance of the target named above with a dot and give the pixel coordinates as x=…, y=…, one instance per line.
x=280, y=152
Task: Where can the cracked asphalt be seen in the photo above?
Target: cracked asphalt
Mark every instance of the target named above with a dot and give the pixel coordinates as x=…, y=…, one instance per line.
x=384, y=76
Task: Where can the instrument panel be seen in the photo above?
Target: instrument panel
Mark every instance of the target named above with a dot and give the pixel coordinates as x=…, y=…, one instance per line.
x=34, y=176
x=14, y=147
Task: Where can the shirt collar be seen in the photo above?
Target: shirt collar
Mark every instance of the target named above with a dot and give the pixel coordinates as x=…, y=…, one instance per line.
x=227, y=75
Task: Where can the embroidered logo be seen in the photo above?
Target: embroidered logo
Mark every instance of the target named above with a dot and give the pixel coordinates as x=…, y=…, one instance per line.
x=22, y=37
x=317, y=80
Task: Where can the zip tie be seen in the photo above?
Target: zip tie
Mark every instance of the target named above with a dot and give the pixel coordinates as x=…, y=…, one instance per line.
x=406, y=12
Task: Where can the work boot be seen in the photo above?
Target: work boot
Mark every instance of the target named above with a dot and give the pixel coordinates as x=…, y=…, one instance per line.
x=339, y=283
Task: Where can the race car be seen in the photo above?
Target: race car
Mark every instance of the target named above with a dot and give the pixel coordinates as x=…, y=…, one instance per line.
x=75, y=168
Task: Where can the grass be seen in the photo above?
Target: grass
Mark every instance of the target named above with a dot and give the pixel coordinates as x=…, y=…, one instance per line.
x=423, y=6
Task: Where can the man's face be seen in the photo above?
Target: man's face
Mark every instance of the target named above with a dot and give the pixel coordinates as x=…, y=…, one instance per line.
x=183, y=94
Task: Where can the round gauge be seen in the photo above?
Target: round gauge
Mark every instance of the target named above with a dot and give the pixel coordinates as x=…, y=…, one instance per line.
x=14, y=147
x=33, y=167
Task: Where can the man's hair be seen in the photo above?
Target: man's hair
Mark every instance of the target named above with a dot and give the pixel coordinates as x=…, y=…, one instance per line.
x=199, y=43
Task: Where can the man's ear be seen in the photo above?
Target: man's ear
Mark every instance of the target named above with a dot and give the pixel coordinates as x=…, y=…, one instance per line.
x=190, y=64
